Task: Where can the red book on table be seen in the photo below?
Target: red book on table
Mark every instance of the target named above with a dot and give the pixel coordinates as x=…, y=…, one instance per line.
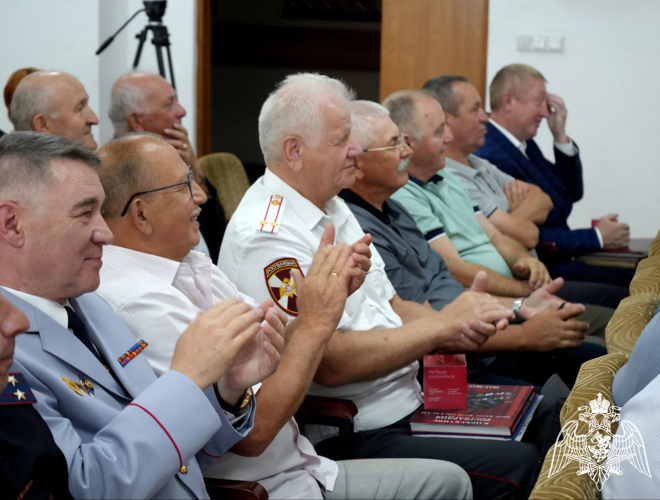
x=492, y=410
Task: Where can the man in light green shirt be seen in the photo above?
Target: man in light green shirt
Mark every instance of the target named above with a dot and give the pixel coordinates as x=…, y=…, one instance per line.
x=443, y=211
x=451, y=213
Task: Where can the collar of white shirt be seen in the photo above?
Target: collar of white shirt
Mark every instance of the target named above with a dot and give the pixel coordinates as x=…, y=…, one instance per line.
x=522, y=146
x=161, y=268
x=310, y=214
x=51, y=309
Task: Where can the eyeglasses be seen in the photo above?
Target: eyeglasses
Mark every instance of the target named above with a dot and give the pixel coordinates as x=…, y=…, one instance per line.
x=189, y=181
x=398, y=145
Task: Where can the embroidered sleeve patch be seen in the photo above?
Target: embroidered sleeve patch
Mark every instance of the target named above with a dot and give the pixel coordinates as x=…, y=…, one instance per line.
x=280, y=284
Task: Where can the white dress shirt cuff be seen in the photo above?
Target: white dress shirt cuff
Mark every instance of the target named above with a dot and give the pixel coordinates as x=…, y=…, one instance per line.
x=600, y=237
x=569, y=148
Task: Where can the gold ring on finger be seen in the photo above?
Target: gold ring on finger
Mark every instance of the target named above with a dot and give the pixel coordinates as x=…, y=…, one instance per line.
x=335, y=274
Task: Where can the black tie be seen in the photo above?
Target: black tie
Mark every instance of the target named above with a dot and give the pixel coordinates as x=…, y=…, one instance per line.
x=80, y=330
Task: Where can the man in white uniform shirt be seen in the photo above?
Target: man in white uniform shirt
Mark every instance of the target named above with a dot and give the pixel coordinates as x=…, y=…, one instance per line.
x=157, y=285
x=305, y=136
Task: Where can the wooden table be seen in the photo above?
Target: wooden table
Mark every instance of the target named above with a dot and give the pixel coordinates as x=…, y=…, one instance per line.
x=628, y=257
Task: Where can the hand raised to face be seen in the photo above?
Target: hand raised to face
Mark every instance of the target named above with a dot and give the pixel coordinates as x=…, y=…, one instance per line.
x=557, y=114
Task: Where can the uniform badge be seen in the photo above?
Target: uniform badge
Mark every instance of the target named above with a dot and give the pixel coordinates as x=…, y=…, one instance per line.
x=280, y=284
x=81, y=387
x=273, y=216
x=125, y=358
x=17, y=391
x=87, y=387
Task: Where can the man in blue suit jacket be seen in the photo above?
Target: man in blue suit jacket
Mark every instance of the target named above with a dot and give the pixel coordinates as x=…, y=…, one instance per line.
x=124, y=433
x=519, y=102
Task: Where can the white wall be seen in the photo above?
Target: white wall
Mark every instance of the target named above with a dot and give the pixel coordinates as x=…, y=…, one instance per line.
x=65, y=34
x=607, y=76
x=50, y=35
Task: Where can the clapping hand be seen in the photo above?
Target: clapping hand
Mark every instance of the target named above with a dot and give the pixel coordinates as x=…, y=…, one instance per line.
x=259, y=358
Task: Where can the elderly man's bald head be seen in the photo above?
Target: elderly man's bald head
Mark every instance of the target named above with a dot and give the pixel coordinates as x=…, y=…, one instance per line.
x=56, y=103
x=152, y=202
x=405, y=106
x=126, y=169
x=141, y=101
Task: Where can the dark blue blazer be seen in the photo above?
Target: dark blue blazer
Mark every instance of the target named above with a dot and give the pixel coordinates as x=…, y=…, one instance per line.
x=561, y=181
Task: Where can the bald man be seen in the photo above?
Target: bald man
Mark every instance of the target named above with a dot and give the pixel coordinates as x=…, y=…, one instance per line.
x=54, y=102
x=146, y=102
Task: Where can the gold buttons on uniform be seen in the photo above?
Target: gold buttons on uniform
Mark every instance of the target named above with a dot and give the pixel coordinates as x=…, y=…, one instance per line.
x=184, y=469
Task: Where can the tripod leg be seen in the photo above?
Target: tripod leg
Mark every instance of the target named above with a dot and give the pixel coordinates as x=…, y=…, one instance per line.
x=159, y=56
x=142, y=36
x=169, y=60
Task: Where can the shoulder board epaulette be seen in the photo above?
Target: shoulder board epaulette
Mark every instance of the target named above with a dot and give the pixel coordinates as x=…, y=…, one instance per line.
x=274, y=211
x=17, y=392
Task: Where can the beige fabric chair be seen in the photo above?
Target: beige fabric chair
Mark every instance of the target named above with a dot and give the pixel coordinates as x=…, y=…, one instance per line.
x=646, y=280
x=595, y=376
x=648, y=263
x=227, y=174
x=628, y=321
x=654, y=249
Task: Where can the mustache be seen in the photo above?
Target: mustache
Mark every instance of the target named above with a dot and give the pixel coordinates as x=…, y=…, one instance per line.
x=403, y=165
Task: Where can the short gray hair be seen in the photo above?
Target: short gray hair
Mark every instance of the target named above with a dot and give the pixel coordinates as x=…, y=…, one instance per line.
x=30, y=99
x=293, y=108
x=443, y=90
x=361, y=113
x=511, y=78
x=124, y=171
x=26, y=157
x=125, y=98
x=402, y=107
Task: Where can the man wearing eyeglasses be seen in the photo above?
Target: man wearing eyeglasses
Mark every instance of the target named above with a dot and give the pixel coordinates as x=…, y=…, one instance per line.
x=157, y=285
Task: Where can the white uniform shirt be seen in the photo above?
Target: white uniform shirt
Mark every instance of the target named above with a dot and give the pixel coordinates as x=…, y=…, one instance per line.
x=158, y=298
x=251, y=251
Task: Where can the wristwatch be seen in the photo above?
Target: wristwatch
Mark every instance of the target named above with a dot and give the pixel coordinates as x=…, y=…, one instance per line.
x=517, y=304
x=236, y=410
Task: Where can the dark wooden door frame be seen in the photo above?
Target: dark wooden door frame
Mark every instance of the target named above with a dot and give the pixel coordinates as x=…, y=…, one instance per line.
x=203, y=77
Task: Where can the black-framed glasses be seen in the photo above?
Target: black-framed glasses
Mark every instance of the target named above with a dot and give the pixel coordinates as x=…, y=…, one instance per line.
x=189, y=181
x=398, y=145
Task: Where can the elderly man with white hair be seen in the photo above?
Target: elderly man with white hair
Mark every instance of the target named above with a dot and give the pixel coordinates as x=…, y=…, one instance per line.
x=305, y=135
x=56, y=103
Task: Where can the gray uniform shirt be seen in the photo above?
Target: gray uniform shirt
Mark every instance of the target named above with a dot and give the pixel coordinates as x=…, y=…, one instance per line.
x=484, y=183
x=417, y=272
